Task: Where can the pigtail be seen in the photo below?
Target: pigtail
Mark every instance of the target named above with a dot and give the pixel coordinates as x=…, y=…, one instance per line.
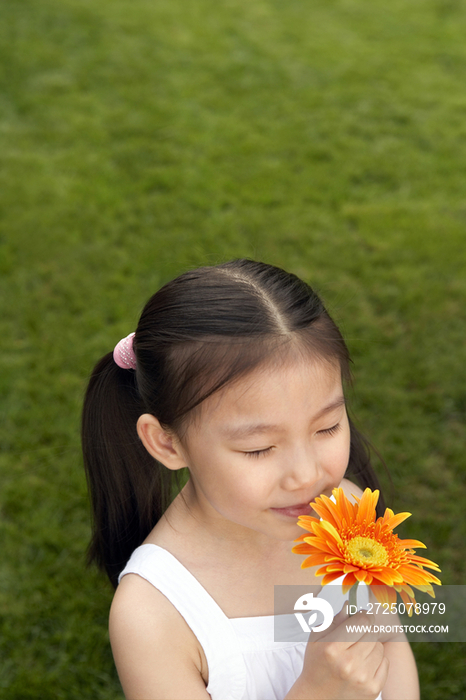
x=129, y=489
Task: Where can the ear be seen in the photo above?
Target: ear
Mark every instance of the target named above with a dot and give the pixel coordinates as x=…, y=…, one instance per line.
x=159, y=443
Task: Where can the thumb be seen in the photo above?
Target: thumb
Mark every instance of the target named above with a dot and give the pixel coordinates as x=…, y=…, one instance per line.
x=342, y=615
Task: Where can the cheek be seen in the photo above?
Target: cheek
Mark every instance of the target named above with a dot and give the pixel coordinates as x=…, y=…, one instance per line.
x=336, y=454
x=244, y=485
x=223, y=475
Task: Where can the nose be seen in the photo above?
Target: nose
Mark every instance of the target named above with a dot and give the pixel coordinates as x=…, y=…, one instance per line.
x=301, y=472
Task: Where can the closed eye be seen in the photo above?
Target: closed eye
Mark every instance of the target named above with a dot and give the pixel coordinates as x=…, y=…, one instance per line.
x=330, y=431
x=259, y=453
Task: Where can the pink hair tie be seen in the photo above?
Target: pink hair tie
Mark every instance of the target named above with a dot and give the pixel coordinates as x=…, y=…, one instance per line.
x=124, y=354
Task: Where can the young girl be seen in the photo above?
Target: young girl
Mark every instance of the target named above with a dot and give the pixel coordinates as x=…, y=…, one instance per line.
x=235, y=372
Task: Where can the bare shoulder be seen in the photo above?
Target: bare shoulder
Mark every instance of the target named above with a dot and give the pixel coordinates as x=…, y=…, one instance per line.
x=350, y=490
x=156, y=653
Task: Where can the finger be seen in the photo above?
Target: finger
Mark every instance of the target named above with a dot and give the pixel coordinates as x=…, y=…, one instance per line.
x=376, y=666
x=381, y=675
x=342, y=615
x=339, y=630
x=357, y=628
x=375, y=631
x=369, y=653
x=372, y=651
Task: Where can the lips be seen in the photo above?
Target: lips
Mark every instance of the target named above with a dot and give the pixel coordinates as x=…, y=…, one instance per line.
x=294, y=511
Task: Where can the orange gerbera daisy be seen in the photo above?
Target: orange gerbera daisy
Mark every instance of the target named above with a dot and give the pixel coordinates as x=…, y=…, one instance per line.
x=350, y=541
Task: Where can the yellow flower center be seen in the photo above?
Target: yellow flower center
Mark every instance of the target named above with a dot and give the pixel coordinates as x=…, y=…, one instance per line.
x=364, y=550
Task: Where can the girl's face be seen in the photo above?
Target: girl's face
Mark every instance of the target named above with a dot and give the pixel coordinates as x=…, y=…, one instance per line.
x=263, y=448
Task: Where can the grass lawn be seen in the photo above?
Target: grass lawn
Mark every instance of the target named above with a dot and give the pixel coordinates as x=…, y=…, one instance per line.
x=140, y=139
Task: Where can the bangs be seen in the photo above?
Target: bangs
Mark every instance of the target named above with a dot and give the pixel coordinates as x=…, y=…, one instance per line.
x=203, y=368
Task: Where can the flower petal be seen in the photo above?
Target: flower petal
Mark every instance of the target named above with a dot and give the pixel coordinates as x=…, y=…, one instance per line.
x=424, y=562
x=404, y=587
x=426, y=589
x=407, y=596
x=344, y=505
x=388, y=514
x=414, y=575
x=387, y=576
x=384, y=594
x=395, y=520
x=361, y=575
x=318, y=558
x=348, y=568
x=415, y=544
x=348, y=581
x=308, y=563
x=306, y=521
x=366, y=510
x=302, y=548
x=317, y=543
x=328, y=511
x=331, y=530
x=301, y=537
x=328, y=578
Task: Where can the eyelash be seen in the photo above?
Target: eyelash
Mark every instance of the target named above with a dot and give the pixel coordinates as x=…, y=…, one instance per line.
x=331, y=431
x=261, y=453
x=258, y=453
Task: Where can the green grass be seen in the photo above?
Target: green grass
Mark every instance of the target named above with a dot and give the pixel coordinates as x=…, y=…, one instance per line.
x=138, y=140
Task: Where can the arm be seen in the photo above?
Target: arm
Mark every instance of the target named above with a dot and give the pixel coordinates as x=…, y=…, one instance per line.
x=402, y=682
x=156, y=653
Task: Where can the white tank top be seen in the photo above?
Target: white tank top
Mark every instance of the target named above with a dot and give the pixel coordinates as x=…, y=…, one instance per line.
x=245, y=663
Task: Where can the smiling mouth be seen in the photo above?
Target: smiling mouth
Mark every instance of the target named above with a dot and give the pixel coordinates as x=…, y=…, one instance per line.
x=294, y=511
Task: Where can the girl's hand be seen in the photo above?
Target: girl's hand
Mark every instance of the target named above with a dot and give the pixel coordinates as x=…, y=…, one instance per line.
x=337, y=670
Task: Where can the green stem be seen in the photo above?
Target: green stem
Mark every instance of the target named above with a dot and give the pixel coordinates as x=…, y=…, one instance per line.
x=353, y=595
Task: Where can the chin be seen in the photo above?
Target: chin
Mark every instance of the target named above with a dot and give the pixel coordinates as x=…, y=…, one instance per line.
x=289, y=534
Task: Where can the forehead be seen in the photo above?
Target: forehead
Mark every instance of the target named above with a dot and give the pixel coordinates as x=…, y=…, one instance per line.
x=276, y=393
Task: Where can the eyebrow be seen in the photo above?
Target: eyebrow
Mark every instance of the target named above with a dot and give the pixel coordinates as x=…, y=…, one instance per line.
x=248, y=429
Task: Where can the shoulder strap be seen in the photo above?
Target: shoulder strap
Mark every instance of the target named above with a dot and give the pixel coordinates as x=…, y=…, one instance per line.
x=227, y=671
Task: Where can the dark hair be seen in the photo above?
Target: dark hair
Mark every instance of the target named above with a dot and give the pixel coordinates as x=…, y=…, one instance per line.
x=199, y=332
